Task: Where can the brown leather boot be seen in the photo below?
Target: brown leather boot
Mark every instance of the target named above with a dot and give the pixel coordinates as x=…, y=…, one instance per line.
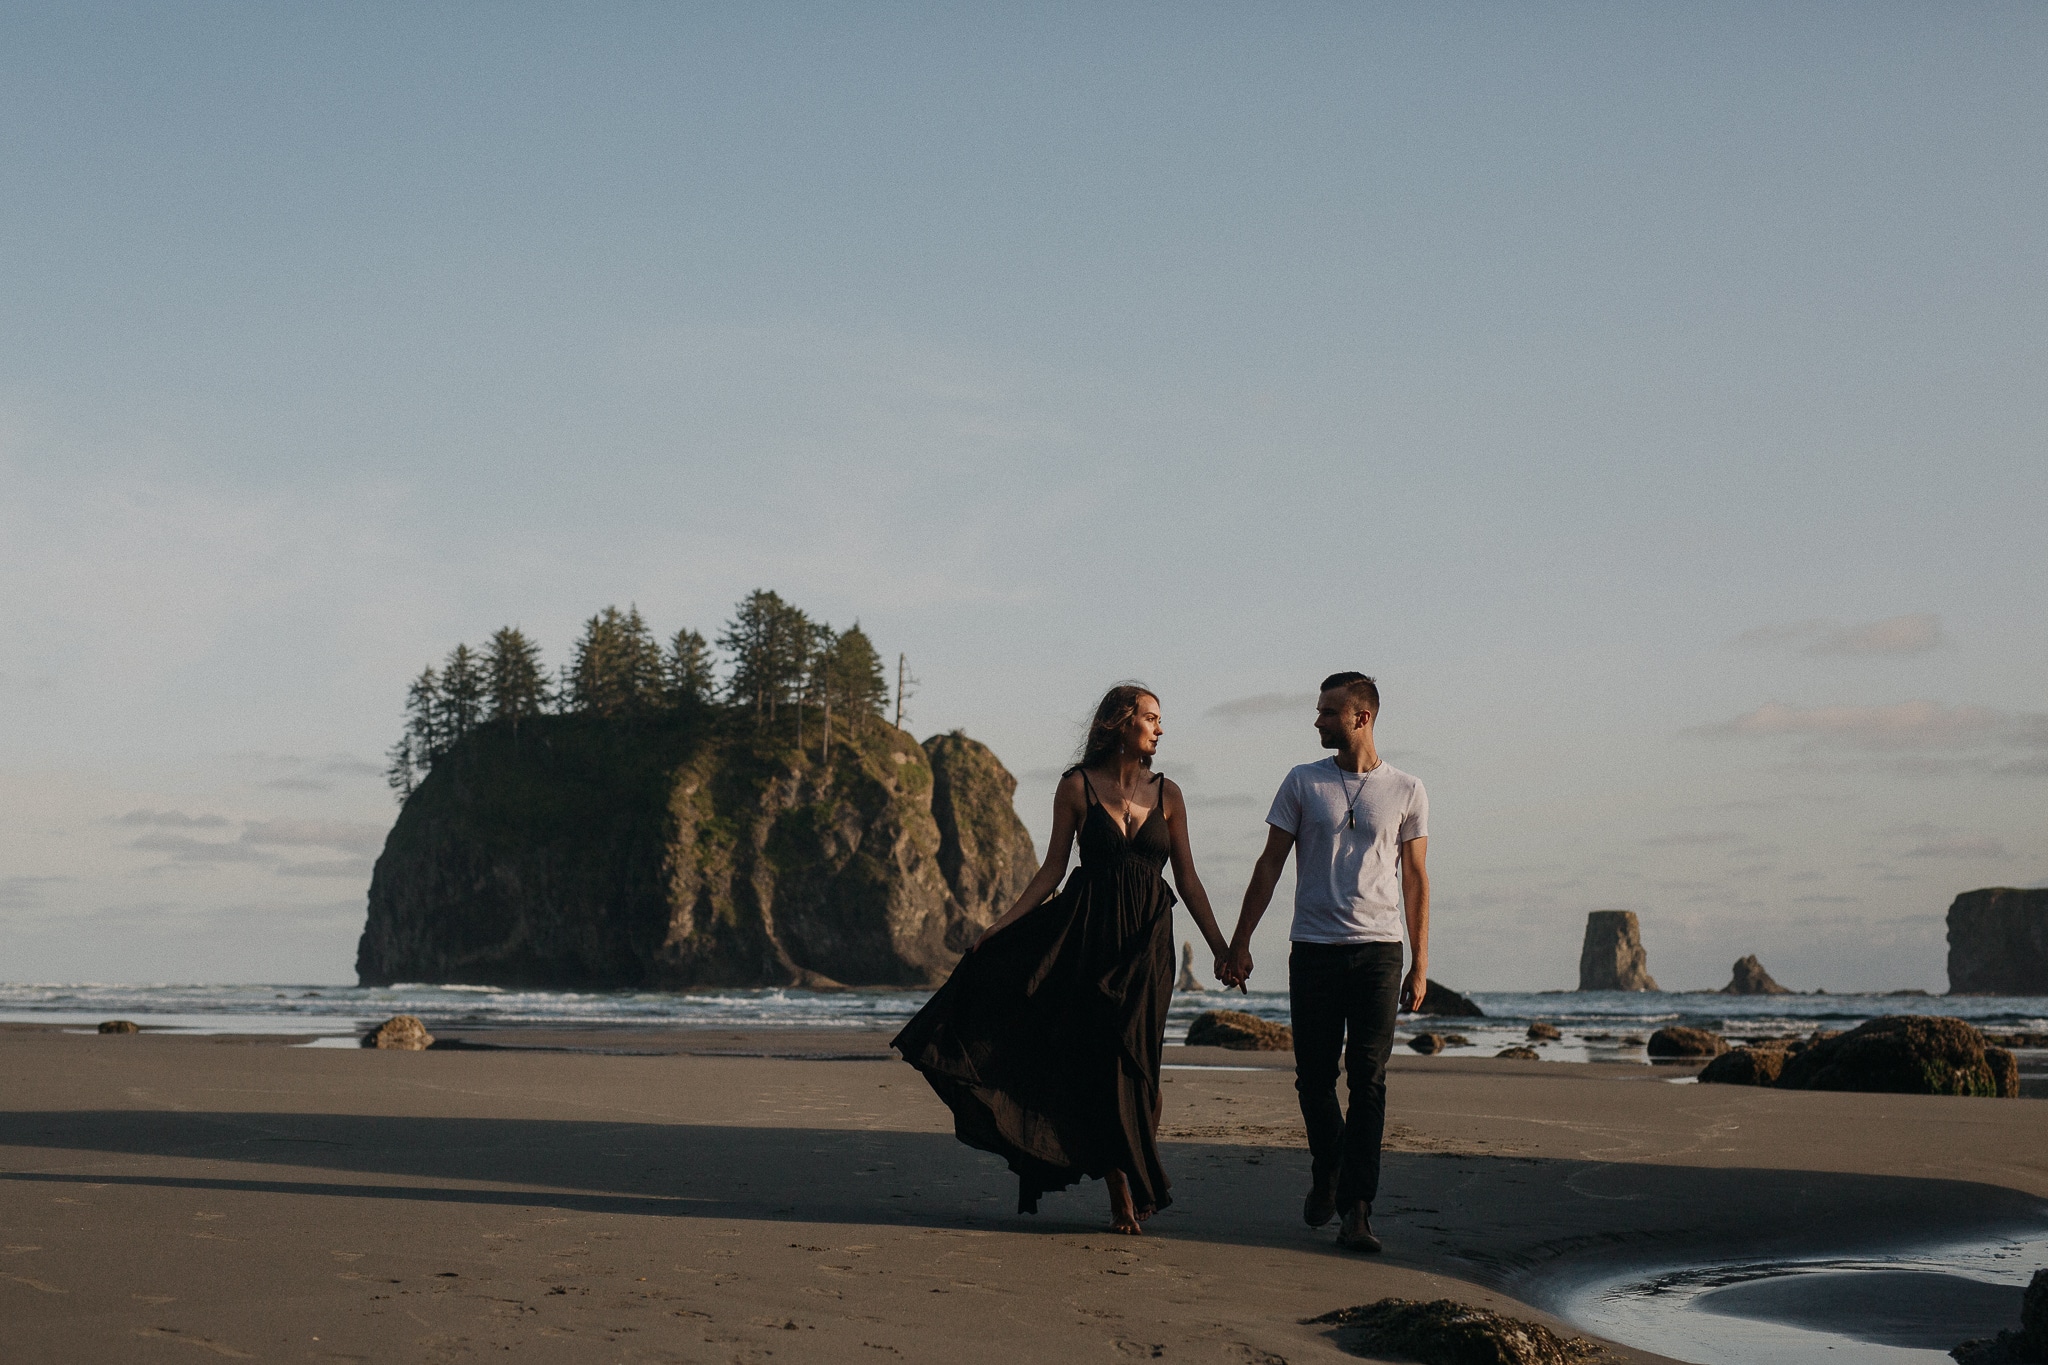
x=1356, y=1234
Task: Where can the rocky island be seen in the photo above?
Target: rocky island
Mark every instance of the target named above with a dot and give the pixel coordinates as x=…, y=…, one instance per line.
x=647, y=831
x=1612, y=957
x=1998, y=942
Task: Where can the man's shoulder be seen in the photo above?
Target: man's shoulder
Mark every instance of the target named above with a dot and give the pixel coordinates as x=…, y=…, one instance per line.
x=1303, y=773
x=1406, y=780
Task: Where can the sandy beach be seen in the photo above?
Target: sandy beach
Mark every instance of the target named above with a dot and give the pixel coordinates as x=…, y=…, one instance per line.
x=678, y=1195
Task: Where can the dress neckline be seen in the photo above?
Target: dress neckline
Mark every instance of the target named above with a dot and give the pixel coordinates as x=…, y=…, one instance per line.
x=1095, y=802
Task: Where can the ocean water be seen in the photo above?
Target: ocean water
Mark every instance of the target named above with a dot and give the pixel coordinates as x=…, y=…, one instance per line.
x=1597, y=1025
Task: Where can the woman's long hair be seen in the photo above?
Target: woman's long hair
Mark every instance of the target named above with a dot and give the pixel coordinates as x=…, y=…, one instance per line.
x=1106, y=732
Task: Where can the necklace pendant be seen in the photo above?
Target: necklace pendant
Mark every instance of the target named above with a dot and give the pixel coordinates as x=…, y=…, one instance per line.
x=1351, y=819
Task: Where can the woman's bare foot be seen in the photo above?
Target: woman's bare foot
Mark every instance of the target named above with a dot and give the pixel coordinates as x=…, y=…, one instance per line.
x=1123, y=1217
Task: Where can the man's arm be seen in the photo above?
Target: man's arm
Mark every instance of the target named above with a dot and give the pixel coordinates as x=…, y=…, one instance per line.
x=1415, y=900
x=1234, y=968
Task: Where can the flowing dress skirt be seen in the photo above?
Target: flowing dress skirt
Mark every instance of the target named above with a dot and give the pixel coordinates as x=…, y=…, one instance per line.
x=1045, y=1042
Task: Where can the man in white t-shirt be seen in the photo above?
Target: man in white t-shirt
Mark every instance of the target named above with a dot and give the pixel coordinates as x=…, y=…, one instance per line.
x=1360, y=827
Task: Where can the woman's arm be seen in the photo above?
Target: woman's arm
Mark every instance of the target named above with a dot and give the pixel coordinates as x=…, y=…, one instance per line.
x=1191, y=888
x=1069, y=805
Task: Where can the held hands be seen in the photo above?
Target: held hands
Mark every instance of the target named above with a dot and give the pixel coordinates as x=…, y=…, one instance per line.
x=1414, y=988
x=1234, y=966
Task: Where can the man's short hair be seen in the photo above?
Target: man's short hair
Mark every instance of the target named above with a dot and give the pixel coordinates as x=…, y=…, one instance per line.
x=1361, y=691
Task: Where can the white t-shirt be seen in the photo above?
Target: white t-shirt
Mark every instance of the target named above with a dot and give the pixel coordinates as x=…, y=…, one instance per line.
x=1347, y=879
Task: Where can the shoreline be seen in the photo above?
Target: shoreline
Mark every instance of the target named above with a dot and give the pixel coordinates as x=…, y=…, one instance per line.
x=180, y=1191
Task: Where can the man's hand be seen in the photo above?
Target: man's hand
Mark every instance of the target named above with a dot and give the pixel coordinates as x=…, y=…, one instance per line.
x=1414, y=988
x=1234, y=968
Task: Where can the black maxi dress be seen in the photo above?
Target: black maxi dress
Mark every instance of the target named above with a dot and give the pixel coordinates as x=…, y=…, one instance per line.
x=1045, y=1042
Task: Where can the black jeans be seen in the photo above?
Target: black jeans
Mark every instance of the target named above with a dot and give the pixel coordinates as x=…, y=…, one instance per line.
x=1343, y=997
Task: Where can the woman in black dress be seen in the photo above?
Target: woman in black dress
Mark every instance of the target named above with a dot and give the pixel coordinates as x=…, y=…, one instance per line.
x=1045, y=1042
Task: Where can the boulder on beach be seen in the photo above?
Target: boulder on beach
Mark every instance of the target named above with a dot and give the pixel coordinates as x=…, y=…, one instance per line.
x=2026, y=1346
x=1677, y=1040
x=1518, y=1053
x=2005, y=1071
x=1612, y=957
x=1441, y=1000
x=1455, y=1040
x=1901, y=1054
x=1998, y=942
x=1545, y=1031
x=1239, y=1031
x=1188, y=980
x=1427, y=1043
x=1446, y=1332
x=1750, y=978
x=119, y=1026
x=1759, y=1064
x=402, y=1033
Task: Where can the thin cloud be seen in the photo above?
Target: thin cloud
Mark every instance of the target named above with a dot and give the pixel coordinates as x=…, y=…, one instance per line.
x=1778, y=636
x=21, y=893
x=1903, y=725
x=340, y=835
x=1959, y=846
x=1913, y=634
x=337, y=867
x=183, y=848
x=172, y=819
x=1263, y=704
x=1701, y=839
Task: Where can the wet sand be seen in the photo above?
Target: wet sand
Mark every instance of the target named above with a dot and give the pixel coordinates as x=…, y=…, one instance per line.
x=715, y=1195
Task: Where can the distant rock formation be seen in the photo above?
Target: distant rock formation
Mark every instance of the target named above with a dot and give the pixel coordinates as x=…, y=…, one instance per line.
x=1544, y=1031
x=1905, y=1054
x=1998, y=942
x=1518, y=1053
x=1612, y=958
x=693, y=849
x=1679, y=1041
x=1188, y=980
x=1428, y=1044
x=119, y=1026
x=1441, y=1000
x=1239, y=1031
x=1750, y=978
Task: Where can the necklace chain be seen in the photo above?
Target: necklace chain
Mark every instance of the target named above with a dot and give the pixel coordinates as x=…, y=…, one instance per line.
x=1351, y=797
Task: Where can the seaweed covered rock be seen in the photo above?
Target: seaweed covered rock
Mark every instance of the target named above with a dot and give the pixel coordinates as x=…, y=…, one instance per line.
x=2026, y=1346
x=119, y=1026
x=695, y=848
x=1754, y=1065
x=1446, y=1332
x=1428, y=1044
x=1239, y=1031
x=400, y=1033
x=1518, y=1053
x=1441, y=1000
x=1679, y=1041
x=1749, y=978
x=1900, y=1054
x=1544, y=1031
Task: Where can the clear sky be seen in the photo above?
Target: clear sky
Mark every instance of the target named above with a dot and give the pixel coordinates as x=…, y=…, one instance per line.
x=1655, y=398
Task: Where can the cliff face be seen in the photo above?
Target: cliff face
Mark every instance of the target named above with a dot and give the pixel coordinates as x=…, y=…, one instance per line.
x=1612, y=957
x=690, y=851
x=1998, y=942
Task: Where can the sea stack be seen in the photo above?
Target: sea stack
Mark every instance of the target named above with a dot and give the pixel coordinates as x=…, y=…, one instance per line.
x=588, y=852
x=1613, y=958
x=1750, y=978
x=1998, y=942
x=1188, y=980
